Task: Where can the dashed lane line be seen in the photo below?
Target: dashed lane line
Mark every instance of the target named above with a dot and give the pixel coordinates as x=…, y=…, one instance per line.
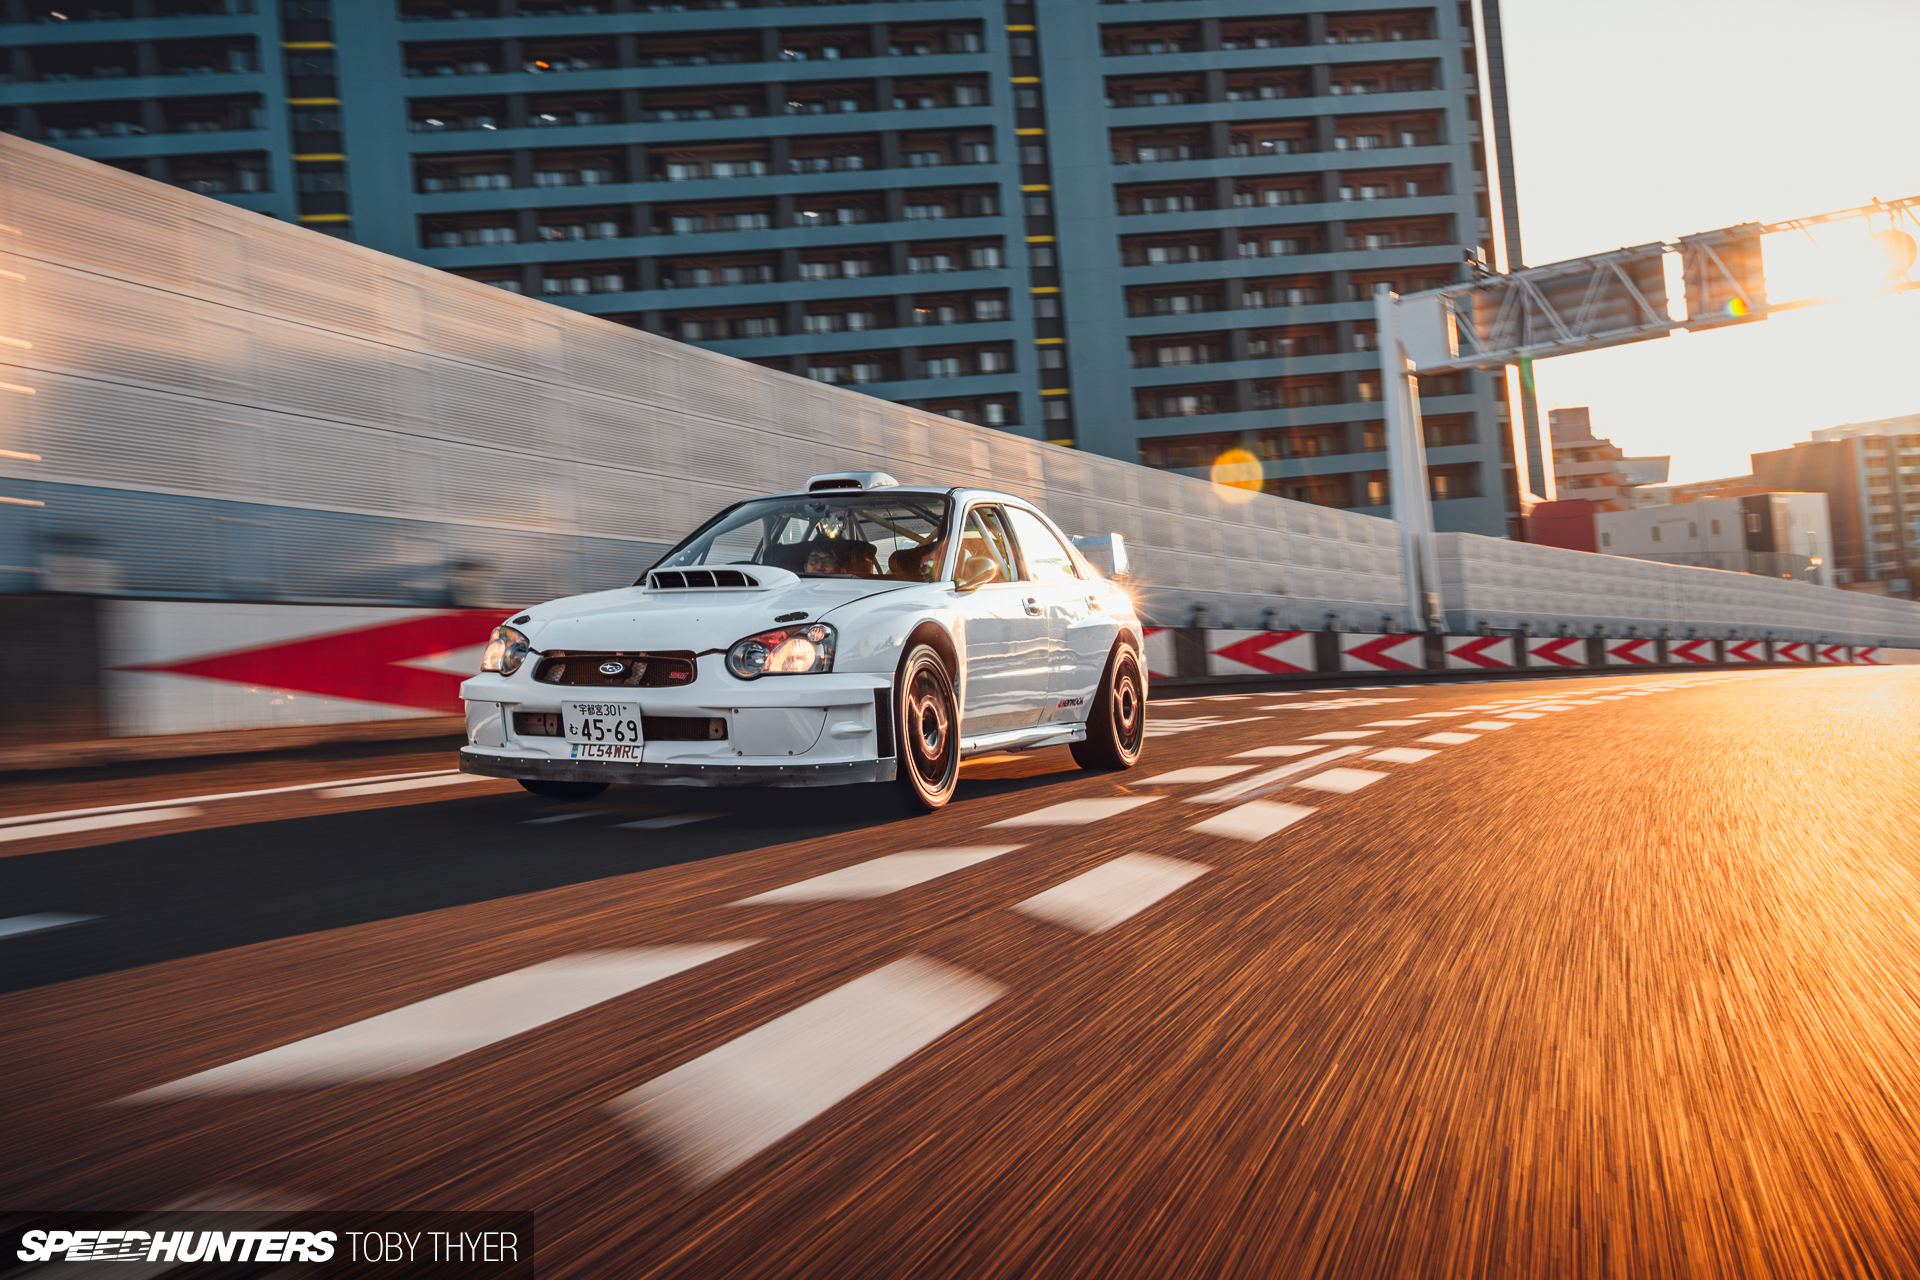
x=1198, y=773
x=404, y=784
x=1341, y=781
x=1389, y=724
x=1252, y=822
x=1270, y=752
x=1449, y=739
x=1076, y=813
x=1111, y=893
x=1272, y=779
x=1488, y=724
x=420, y=1035
x=1401, y=755
x=711, y=1115
x=1342, y=735
x=20, y=819
x=1521, y=715
x=98, y=822
x=880, y=876
x=39, y=922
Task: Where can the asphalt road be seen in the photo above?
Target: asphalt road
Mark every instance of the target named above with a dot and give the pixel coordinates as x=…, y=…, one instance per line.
x=1598, y=976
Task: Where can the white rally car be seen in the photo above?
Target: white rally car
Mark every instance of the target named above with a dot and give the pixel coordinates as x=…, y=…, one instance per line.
x=858, y=631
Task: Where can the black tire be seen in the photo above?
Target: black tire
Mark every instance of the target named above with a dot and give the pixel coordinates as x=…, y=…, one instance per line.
x=1117, y=724
x=563, y=790
x=926, y=718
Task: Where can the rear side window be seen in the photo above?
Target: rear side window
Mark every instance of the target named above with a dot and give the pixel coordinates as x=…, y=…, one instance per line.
x=1048, y=559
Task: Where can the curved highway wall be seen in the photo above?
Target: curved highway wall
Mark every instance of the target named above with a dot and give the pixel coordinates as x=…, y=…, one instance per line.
x=229, y=408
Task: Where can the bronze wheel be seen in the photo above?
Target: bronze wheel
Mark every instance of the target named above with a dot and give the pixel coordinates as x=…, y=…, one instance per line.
x=1117, y=723
x=929, y=727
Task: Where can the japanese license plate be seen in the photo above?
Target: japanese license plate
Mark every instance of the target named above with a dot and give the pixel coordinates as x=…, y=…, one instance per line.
x=602, y=730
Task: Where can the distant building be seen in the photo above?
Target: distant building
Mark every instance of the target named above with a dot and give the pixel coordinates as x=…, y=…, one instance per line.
x=1779, y=535
x=1586, y=466
x=1870, y=472
x=1694, y=491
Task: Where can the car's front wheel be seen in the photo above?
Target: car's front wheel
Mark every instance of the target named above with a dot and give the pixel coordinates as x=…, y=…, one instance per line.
x=928, y=725
x=1117, y=724
x=563, y=790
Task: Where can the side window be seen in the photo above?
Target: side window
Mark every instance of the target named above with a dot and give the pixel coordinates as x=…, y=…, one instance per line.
x=1047, y=559
x=983, y=545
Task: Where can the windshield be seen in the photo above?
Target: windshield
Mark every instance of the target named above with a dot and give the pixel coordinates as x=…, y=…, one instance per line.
x=822, y=535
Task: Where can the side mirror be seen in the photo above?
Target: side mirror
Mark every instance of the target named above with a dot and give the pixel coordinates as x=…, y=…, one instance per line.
x=975, y=572
x=1108, y=554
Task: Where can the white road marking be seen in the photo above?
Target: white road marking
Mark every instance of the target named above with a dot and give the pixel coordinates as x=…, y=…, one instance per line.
x=414, y=1037
x=1402, y=755
x=558, y=817
x=711, y=1115
x=1521, y=715
x=1341, y=781
x=1576, y=702
x=1438, y=715
x=1343, y=735
x=1449, y=739
x=14, y=926
x=1074, y=813
x=98, y=822
x=1269, y=752
x=662, y=822
x=405, y=784
x=1488, y=724
x=1113, y=892
x=1270, y=779
x=880, y=876
x=1389, y=724
x=1253, y=821
x=1200, y=773
x=1163, y=727
x=21, y=818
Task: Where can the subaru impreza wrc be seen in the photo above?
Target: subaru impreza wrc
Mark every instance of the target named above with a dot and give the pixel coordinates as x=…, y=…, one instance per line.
x=855, y=631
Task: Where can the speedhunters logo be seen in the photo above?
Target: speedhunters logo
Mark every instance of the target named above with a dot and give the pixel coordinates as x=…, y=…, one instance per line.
x=320, y=1243
x=176, y=1246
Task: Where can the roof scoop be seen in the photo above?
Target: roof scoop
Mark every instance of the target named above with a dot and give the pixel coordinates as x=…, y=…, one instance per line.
x=831, y=480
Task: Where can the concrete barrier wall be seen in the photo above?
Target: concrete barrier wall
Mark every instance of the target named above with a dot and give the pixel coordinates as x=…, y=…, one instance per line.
x=225, y=407
x=228, y=407
x=128, y=668
x=1487, y=582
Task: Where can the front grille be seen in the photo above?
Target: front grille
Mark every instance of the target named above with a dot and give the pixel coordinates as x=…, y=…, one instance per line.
x=698, y=579
x=547, y=724
x=635, y=670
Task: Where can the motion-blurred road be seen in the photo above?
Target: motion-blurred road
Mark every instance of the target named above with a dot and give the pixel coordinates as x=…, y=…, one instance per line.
x=1596, y=976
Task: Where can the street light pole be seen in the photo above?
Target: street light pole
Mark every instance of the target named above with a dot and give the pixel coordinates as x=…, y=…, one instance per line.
x=1407, y=465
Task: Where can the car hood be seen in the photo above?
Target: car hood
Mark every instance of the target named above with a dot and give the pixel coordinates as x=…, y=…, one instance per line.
x=635, y=619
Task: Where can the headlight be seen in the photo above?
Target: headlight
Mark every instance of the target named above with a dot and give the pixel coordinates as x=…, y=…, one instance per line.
x=788, y=652
x=506, y=650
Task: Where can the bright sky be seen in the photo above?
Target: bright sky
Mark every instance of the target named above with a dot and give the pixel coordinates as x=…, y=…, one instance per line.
x=1638, y=120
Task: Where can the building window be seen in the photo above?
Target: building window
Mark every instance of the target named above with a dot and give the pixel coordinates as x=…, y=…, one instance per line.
x=1606, y=539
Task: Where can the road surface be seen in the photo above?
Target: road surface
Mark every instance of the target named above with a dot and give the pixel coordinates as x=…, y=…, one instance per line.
x=1592, y=976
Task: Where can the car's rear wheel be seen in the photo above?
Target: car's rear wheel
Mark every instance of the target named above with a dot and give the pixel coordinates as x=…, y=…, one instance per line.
x=1117, y=724
x=927, y=718
x=563, y=790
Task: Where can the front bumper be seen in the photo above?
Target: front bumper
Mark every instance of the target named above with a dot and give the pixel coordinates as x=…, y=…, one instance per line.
x=547, y=769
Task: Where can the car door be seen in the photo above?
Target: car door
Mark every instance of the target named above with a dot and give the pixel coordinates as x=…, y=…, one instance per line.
x=1007, y=639
x=1079, y=632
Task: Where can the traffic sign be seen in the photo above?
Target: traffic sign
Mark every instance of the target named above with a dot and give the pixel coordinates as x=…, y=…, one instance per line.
x=1632, y=653
x=1274, y=653
x=1467, y=652
x=1683, y=651
x=1381, y=653
x=1747, y=651
x=1556, y=651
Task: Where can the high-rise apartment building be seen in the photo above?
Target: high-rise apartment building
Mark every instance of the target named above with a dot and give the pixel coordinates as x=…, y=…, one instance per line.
x=1152, y=230
x=1870, y=472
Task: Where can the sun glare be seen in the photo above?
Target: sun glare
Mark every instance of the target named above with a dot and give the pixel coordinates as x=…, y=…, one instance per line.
x=1239, y=475
x=1841, y=260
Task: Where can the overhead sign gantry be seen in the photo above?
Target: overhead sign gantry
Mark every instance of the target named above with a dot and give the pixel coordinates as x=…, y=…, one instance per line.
x=1582, y=304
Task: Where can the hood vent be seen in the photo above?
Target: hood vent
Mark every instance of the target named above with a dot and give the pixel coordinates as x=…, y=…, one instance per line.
x=698, y=579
